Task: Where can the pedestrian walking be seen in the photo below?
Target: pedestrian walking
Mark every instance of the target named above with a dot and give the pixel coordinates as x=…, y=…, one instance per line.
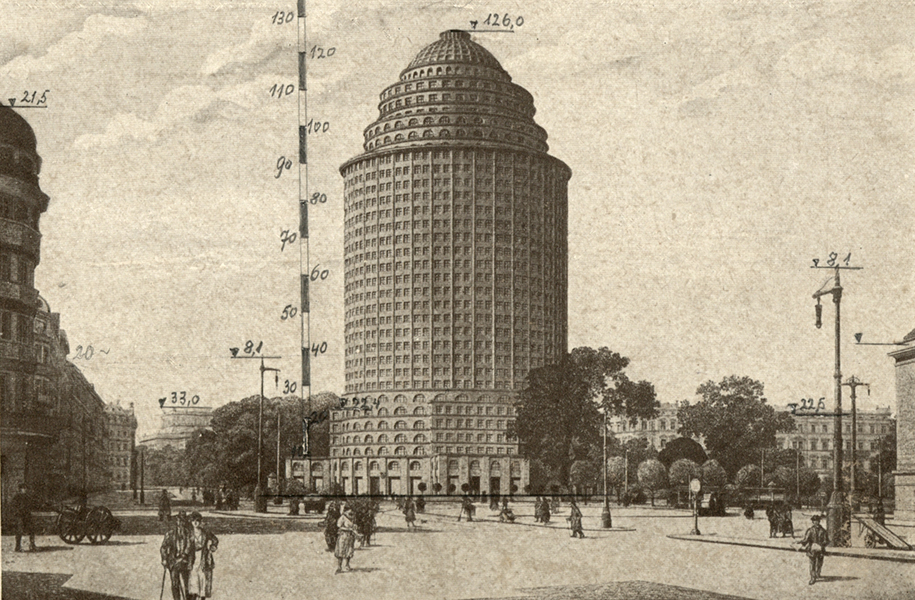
x=880, y=513
x=814, y=543
x=175, y=554
x=200, y=569
x=467, y=507
x=545, y=511
x=773, y=521
x=346, y=540
x=538, y=507
x=409, y=513
x=330, y=525
x=22, y=514
x=575, y=520
x=786, y=522
x=165, y=506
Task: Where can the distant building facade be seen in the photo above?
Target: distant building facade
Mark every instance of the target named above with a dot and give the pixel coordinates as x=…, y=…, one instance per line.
x=122, y=430
x=658, y=431
x=813, y=437
x=905, y=430
x=176, y=427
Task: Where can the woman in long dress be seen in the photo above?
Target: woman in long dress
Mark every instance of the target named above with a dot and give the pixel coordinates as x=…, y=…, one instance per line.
x=346, y=540
x=409, y=512
x=203, y=545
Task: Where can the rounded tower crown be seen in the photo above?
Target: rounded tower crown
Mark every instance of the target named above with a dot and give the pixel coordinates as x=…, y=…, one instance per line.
x=452, y=93
x=18, y=147
x=455, y=46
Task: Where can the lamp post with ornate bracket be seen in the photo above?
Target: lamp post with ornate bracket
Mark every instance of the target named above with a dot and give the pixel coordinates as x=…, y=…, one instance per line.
x=835, y=510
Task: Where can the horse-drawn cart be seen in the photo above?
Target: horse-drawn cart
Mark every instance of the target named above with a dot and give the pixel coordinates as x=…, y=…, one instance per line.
x=97, y=524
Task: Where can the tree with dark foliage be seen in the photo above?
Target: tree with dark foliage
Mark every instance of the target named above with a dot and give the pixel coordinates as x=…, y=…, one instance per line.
x=735, y=421
x=559, y=418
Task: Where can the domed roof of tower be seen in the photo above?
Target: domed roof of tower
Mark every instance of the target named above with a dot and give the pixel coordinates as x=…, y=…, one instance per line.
x=455, y=93
x=455, y=46
x=15, y=131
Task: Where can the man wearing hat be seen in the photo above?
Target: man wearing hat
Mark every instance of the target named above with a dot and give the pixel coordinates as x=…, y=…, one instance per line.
x=22, y=513
x=176, y=552
x=814, y=542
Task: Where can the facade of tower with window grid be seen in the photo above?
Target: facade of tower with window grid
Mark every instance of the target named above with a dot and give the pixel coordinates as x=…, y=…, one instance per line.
x=455, y=277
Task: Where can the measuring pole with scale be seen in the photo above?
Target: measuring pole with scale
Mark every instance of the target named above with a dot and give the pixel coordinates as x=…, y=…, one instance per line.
x=305, y=305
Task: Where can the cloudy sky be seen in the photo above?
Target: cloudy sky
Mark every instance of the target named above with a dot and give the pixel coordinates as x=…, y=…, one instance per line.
x=716, y=148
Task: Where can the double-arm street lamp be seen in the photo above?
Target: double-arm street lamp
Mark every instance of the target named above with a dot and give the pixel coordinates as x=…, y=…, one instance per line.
x=260, y=501
x=835, y=510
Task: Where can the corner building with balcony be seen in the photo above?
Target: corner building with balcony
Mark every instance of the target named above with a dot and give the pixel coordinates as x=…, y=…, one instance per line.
x=28, y=430
x=455, y=276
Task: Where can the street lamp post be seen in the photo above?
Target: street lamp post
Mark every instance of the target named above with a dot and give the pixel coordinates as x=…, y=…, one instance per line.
x=142, y=474
x=605, y=519
x=853, y=383
x=260, y=501
x=835, y=510
x=278, y=422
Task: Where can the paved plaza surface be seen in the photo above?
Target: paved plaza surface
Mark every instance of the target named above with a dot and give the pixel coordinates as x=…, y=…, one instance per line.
x=483, y=559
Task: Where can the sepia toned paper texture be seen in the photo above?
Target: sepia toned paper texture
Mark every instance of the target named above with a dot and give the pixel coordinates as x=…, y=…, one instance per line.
x=367, y=247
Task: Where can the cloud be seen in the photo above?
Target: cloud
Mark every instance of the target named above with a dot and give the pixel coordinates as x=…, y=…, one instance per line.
x=263, y=43
x=72, y=48
x=122, y=125
x=181, y=105
x=820, y=58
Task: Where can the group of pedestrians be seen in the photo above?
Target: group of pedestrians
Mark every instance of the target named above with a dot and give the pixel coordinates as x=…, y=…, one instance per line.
x=780, y=520
x=542, y=511
x=187, y=556
x=344, y=524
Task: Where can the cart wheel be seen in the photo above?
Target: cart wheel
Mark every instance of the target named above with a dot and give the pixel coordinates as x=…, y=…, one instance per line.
x=72, y=536
x=100, y=537
x=69, y=529
x=99, y=525
x=870, y=541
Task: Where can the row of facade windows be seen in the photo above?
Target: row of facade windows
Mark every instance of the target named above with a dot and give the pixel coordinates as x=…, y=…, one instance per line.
x=400, y=438
x=17, y=210
x=16, y=268
x=382, y=451
x=484, y=156
x=445, y=384
x=15, y=326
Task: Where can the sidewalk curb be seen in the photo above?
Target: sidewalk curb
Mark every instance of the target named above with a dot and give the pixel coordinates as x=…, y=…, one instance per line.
x=536, y=525
x=844, y=552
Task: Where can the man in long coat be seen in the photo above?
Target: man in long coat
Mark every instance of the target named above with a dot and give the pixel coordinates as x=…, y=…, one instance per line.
x=22, y=514
x=175, y=552
x=165, y=506
x=330, y=525
x=575, y=520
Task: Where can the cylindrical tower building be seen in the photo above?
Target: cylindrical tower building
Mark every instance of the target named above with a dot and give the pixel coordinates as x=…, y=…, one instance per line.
x=455, y=259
